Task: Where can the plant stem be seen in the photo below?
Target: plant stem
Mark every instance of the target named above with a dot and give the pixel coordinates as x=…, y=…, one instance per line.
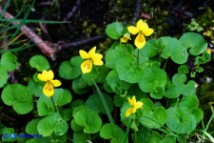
x=56, y=108
x=135, y=136
x=127, y=131
x=138, y=56
x=104, y=102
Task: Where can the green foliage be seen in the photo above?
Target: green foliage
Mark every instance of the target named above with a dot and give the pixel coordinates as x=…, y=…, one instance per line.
x=18, y=96
x=39, y=62
x=53, y=123
x=115, y=30
x=159, y=76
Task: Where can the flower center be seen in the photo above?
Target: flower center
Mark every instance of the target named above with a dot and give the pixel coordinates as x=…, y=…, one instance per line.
x=87, y=65
x=49, y=86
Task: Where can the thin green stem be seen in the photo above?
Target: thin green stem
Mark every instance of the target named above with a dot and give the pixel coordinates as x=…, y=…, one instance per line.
x=135, y=136
x=165, y=64
x=138, y=56
x=56, y=108
x=127, y=131
x=104, y=102
x=209, y=122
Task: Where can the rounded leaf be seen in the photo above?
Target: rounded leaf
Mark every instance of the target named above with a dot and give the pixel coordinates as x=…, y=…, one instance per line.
x=9, y=61
x=62, y=96
x=39, y=62
x=195, y=42
x=71, y=69
x=113, y=132
x=53, y=123
x=128, y=70
x=114, y=30
x=179, y=121
x=19, y=97
x=89, y=119
x=3, y=76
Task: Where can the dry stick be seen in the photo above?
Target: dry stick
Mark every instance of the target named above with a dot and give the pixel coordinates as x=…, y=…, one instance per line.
x=44, y=46
x=80, y=43
x=73, y=10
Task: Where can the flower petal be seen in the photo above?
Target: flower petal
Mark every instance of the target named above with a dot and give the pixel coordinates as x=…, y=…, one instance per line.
x=48, y=89
x=125, y=38
x=138, y=105
x=128, y=112
x=141, y=25
x=97, y=59
x=49, y=74
x=86, y=66
x=133, y=30
x=55, y=83
x=140, y=41
x=41, y=77
x=83, y=54
x=132, y=101
x=92, y=52
x=148, y=31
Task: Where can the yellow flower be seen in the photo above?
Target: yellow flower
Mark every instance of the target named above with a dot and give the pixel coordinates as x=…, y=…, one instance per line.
x=142, y=29
x=47, y=76
x=90, y=58
x=125, y=38
x=135, y=105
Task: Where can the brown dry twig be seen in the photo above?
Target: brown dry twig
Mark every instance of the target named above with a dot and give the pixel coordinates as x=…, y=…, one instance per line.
x=45, y=47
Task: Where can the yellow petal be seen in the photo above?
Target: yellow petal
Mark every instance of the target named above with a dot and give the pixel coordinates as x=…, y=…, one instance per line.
x=46, y=75
x=83, y=54
x=128, y=112
x=140, y=41
x=97, y=59
x=138, y=105
x=92, y=52
x=86, y=66
x=132, y=101
x=55, y=83
x=48, y=89
x=141, y=25
x=41, y=77
x=123, y=40
x=148, y=31
x=133, y=30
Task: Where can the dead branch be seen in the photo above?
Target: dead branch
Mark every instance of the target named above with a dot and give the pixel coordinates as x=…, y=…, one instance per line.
x=46, y=48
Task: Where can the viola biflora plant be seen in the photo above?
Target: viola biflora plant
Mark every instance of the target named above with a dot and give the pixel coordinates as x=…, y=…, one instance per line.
x=140, y=90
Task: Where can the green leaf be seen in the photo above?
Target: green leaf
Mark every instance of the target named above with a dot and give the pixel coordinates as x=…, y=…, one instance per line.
x=31, y=127
x=39, y=62
x=98, y=74
x=152, y=80
x=195, y=42
x=117, y=85
x=180, y=121
x=148, y=51
x=169, y=139
x=172, y=91
x=45, y=106
x=149, y=136
x=19, y=97
x=189, y=103
x=128, y=69
x=89, y=119
x=113, y=132
x=95, y=103
x=3, y=76
x=79, y=86
x=53, y=123
x=62, y=97
x=198, y=114
x=75, y=127
x=116, y=52
x=173, y=48
x=80, y=137
x=71, y=69
x=153, y=117
x=189, y=88
x=179, y=79
x=183, y=69
x=9, y=61
x=114, y=30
